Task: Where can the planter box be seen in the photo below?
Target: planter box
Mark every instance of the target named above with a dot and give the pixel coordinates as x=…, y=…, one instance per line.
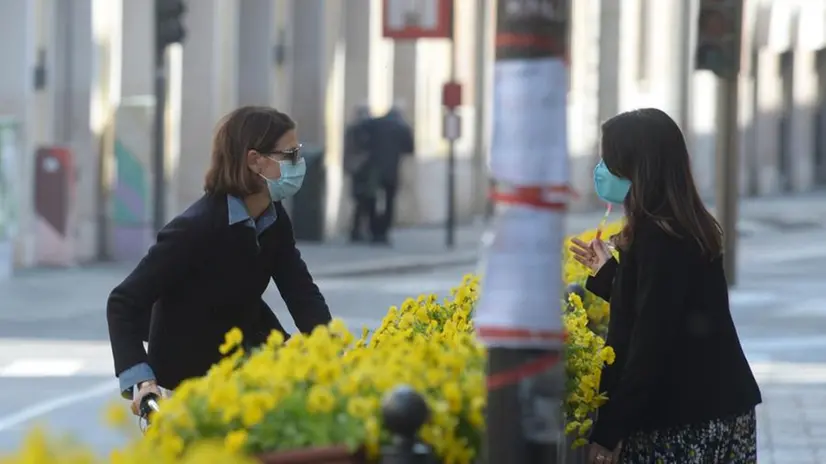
x=329, y=455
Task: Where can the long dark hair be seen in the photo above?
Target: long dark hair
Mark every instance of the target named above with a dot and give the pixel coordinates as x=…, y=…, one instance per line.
x=647, y=147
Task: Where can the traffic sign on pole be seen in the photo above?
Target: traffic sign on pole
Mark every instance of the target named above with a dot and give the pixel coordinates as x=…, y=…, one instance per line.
x=452, y=95
x=452, y=126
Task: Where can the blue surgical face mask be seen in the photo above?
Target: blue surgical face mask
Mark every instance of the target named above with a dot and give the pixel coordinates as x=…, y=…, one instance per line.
x=292, y=176
x=609, y=187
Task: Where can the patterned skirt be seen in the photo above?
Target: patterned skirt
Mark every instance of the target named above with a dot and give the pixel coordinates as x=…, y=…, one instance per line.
x=731, y=440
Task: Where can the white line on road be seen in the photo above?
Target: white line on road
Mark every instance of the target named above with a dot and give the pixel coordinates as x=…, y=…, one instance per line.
x=42, y=368
x=770, y=344
x=40, y=409
x=778, y=255
x=789, y=373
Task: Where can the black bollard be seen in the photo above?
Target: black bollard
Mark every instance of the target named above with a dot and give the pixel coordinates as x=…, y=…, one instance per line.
x=404, y=412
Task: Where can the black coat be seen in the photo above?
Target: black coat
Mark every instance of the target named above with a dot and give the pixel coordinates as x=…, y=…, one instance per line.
x=391, y=138
x=363, y=171
x=678, y=356
x=202, y=278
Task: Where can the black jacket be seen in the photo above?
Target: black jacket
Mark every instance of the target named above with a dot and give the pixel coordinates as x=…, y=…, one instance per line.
x=679, y=359
x=391, y=138
x=364, y=173
x=202, y=278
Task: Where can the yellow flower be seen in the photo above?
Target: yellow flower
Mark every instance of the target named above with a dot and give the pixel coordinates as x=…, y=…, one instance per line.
x=362, y=407
x=320, y=400
x=275, y=339
x=116, y=415
x=232, y=339
x=607, y=355
x=236, y=440
x=453, y=395
x=326, y=387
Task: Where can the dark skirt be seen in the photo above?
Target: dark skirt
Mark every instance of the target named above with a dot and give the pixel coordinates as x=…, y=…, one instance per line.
x=731, y=440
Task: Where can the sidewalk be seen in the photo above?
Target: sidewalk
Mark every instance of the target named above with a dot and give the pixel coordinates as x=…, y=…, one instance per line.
x=78, y=290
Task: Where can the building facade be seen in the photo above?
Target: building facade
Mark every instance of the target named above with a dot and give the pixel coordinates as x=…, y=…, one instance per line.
x=79, y=74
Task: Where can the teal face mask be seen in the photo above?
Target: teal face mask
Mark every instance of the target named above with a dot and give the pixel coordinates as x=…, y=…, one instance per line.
x=292, y=176
x=610, y=188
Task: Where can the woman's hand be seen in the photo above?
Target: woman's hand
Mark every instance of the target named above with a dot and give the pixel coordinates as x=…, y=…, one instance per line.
x=145, y=388
x=600, y=455
x=592, y=255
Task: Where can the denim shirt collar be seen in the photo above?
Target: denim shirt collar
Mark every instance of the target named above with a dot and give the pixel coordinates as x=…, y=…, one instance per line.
x=237, y=210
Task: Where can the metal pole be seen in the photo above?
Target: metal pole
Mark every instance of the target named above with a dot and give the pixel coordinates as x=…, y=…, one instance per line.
x=686, y=67
x=159, y=142
x=480, y=184
x=728, y=171
x=450, y=223
x=529, y=163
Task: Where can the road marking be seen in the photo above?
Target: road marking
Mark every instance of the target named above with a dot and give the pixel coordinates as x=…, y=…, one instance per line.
x=750, y=298
x=789, y=373
x=41, y=409
x=780, y=255
x=776, y=344
x=411, y=287
x=42, y=368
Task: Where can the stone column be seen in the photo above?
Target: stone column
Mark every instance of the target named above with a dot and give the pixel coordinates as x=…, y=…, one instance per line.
x=210, y=70
x=283, y=55
x=308, y=63
x=317, y=96
x=75, y=79
x=46, y=16
x=405, y=93
x=359, y=53
x=256, y=46
x=597, y=99
x=381, y=61
x=138, y=49
x=405, y=73
x=17, y=30
x=804, y=97
x=130, y=210
x=667, y=64
x=359, y=45
x=767, y=117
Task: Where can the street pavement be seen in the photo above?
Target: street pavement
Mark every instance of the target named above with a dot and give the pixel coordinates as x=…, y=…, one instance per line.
x=56, y=368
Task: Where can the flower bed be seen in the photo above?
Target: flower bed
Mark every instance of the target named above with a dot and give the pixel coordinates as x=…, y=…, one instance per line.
x=324, y=389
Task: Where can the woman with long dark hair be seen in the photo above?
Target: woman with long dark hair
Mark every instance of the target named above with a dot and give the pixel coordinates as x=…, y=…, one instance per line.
x=681, y=390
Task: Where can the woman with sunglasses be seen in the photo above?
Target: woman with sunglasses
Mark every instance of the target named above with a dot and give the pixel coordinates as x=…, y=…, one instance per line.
x=210, y=266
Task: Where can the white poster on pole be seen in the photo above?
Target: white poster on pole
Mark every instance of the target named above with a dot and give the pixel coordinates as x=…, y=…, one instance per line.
x=530, y=146
x=521, y=281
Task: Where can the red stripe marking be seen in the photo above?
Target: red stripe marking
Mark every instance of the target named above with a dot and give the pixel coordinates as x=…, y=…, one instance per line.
x=528, y=40
x=520, y=334
x=513, y=376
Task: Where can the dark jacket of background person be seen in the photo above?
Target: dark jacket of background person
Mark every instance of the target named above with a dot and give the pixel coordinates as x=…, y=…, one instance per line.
x=390, y=139
x=364, y=174
x=203, y=277
x=678, y=357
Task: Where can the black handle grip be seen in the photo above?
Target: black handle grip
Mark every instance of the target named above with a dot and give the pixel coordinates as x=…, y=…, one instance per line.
x=149, y=404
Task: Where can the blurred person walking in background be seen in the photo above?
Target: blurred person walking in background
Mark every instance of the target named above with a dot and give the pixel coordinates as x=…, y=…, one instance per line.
x=391, y=138
x=363, y=172
x=681, y=389
x=210, y=266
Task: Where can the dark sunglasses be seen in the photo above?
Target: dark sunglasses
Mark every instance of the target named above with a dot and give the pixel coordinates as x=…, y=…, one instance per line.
x=290, y=154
